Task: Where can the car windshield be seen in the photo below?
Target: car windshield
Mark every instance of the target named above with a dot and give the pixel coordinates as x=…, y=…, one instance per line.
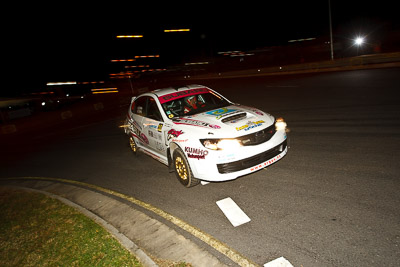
x=191, y=103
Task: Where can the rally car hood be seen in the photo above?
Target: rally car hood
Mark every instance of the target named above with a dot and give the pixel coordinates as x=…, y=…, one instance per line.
x=230, y=121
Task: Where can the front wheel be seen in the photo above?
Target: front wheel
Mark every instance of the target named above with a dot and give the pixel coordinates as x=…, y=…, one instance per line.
x=182, y=169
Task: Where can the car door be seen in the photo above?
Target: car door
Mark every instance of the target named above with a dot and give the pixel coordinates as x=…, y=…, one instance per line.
x=152, y=129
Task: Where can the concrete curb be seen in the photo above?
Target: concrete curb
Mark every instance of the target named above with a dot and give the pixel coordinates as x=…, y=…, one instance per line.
x=138, y=232
x=123, y=240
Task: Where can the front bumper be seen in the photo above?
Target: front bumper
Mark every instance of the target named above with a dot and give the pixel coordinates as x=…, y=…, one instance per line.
x=254, y=161
x=220, y=166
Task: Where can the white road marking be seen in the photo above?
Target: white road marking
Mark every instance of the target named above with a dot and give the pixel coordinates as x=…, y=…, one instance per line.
x=204, y=182
x=233, y=212
x=279, y=262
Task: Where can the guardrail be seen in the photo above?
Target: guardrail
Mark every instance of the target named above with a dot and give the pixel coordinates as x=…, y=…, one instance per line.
x=78, y=114
x=359, y=62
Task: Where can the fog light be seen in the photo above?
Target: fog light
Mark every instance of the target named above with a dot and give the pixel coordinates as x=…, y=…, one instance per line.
x=280, y=124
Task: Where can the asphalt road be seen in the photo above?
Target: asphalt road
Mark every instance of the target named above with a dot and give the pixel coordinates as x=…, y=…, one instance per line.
x=332, y=201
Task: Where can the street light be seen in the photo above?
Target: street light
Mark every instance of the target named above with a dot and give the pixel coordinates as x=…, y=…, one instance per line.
x=359, y=41
x=177, y=30
x=129, y=36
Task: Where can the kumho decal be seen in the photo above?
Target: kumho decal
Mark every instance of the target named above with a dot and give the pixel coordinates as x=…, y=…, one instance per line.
x=250, y=125
x=196, y=153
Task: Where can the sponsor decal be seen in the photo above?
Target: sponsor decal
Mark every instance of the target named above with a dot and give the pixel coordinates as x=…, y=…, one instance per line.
x=159, y=128
x=265, y=164
x=173, y=133
x=196, y=156
x=226, y=158
x=136, y=129
x=179, y=140
x=154, y=135
x=135, y=125
x=250, y=125
x=144, y=138
x=196, y=123
x=221, y=112
x=177, y=95
x=196, y=153
x=160, y=147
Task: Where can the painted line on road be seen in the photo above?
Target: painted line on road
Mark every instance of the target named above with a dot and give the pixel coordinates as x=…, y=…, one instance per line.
x=206, y=238
x=233, y=212
x=279, y=262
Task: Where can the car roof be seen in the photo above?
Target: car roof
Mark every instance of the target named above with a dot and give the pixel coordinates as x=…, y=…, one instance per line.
x=169, y=90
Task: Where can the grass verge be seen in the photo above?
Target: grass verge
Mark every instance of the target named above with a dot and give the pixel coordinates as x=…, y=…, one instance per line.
x=37, y=230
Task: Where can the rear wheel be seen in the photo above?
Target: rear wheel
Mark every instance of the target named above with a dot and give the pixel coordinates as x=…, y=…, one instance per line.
x=182, y=169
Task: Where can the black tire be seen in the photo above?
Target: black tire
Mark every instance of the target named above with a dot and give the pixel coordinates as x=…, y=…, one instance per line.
x=182, y=169
x=133, y=145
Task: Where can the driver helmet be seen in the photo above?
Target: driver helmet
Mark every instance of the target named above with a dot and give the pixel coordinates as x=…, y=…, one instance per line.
x=192, y=101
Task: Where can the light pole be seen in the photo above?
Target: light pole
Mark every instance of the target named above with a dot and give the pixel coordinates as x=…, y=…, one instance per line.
x=330, y=28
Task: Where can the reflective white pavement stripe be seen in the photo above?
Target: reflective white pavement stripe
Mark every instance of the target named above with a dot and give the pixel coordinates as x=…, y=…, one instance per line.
x=206, y=238
x=279, y=262
x=233, y=212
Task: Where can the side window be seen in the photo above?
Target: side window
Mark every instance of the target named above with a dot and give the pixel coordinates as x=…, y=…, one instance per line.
x=139, y=106
x=133, y=105
x=152, y=110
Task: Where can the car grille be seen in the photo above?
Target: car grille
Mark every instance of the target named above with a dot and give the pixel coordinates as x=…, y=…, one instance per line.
x=252, y=161
x=258, y=137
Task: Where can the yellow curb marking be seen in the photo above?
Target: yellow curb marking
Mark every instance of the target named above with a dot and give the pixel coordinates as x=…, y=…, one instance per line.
x=208, y=239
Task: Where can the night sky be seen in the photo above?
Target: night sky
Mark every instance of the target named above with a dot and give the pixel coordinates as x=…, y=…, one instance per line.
x=69, y=41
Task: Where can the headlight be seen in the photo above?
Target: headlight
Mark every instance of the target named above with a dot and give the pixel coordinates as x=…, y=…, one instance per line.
x=280, y=124
x=221, y=144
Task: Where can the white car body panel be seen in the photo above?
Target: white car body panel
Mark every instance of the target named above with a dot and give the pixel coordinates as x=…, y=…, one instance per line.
x=158, y=138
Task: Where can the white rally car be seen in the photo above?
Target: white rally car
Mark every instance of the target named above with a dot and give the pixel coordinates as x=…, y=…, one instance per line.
x=202, y=136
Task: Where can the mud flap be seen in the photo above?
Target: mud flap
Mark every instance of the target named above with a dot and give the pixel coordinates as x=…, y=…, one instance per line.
x=170, y=164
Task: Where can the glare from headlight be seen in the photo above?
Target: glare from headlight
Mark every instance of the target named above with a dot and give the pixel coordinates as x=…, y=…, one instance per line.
x=280, y=124
x=210, y=144
x=221, y=144
x=229, y=144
